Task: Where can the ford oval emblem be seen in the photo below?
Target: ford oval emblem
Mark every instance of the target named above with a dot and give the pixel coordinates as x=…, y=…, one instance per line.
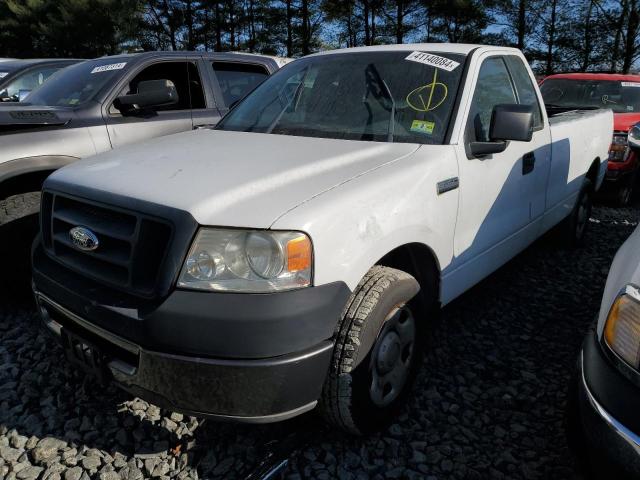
x=83, y=239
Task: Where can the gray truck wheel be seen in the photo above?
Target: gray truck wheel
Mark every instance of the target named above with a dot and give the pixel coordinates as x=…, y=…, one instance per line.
x=19, y=206
x=376, y=355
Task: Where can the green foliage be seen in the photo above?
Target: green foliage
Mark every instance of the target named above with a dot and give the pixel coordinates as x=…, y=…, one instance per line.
x=65, y=28
x=554, y=34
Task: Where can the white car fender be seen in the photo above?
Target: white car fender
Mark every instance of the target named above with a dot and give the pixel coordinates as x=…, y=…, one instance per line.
x=354, y=225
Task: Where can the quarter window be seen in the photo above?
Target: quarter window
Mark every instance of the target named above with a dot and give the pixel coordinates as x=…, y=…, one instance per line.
x=493, y=88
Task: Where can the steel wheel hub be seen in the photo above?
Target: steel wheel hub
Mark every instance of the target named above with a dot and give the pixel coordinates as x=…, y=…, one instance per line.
x=392, y=356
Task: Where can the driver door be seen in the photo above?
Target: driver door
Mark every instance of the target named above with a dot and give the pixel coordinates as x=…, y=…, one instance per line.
x=126, y=129
x=495, y=207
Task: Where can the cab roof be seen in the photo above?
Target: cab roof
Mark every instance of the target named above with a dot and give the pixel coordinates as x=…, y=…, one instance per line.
x=460, y=48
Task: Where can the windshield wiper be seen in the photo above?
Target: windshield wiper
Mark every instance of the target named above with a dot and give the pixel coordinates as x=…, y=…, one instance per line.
x=294, y=99
x=372, y=73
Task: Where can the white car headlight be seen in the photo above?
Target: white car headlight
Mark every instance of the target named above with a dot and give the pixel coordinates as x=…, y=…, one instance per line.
x=622, y=329
x=247, y=261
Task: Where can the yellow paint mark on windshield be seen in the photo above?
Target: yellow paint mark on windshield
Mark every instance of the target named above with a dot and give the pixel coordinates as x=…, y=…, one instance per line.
x=428, y=97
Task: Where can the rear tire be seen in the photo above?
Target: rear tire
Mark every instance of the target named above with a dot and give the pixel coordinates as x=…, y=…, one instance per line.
x=365, y=385
x=574, y=227
x=625, y=192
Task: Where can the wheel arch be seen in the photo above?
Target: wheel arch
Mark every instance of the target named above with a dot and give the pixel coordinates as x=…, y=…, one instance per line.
x=27, y=174
x=421, y=262
x=593, y=172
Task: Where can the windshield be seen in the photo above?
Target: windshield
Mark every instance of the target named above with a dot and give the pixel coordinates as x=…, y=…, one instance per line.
x=621, y=97
x=374, y=96
x=25, y=82
x=78, y=83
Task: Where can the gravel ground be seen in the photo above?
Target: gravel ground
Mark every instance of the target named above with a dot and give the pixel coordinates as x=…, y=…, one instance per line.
x=489, y=402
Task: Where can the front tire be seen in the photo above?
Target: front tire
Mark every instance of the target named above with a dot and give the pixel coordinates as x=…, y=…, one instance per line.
x=376, y=355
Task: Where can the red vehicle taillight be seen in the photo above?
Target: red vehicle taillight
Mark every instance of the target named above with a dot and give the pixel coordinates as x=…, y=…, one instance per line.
x=618, y=147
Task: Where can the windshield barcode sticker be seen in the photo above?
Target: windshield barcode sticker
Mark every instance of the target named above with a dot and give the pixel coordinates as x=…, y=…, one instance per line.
x=108, y=68
x=631, y=84
x=3, y=74
x=433, y=61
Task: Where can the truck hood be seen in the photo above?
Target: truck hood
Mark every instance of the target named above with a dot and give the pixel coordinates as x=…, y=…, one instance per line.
x=17, y=117
x=230, y=178
x=622, y=122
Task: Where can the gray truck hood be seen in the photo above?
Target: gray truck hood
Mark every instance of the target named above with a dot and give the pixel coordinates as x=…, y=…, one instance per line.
x=230, y=178
x=18, y=117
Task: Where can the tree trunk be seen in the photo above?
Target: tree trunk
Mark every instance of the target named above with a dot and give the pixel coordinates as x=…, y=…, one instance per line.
x=522, y=23
x=289, y=29
x=587, y=38
x=373, y=23
x=632, y=33
x=171, y=26
x=552, y=32
x=252, y=26
x=618, y=37
x=189, y=21
x=367, y=31
x=218, y=28
x=306, y=27
x=232, y=25
x=399, y=21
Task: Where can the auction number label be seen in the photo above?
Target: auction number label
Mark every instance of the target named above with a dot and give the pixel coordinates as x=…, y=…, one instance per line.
x=108, y=68
x=433, y=60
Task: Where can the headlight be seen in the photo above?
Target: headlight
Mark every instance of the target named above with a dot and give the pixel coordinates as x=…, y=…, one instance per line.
x=622, y=329
x=247, y=261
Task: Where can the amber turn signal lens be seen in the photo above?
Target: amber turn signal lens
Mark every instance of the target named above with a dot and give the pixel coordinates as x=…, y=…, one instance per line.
x=622, y=330
x=299, y=254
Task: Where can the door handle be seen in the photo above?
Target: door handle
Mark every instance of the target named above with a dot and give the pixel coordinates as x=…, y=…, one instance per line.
x=204, y=126
x=528, y=163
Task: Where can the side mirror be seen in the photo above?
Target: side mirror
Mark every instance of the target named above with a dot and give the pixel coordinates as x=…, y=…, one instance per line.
x=509, y=122
x=151, y=93
x=634, y=138
x=22, y=94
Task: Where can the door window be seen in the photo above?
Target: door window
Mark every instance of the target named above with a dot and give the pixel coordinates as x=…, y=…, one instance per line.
x=524, y=87
x=494, y=87
x=238, y=79
x=176, y=72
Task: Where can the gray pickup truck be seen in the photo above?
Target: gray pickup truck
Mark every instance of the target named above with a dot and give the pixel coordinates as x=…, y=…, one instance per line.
x=108, y=102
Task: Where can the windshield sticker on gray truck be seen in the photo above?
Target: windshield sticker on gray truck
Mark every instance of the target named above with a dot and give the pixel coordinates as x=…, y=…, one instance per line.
x=631, y=84
x=3, y=74
x=108, y=68
x=433, y=61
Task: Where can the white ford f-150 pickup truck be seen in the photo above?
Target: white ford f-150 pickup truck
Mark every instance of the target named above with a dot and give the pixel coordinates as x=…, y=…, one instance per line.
x=293, y=257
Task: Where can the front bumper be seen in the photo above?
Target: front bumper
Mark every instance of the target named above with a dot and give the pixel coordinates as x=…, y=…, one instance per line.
x=254, y=358
x=608, y=411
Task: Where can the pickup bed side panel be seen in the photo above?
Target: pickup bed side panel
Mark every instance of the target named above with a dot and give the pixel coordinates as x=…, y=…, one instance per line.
x=577, y=139
x=354, y=225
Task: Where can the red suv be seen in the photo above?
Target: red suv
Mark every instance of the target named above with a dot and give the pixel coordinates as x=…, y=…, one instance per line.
x=620, y=93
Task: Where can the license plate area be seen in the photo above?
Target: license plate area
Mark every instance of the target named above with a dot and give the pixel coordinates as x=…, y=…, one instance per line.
x=84, y=355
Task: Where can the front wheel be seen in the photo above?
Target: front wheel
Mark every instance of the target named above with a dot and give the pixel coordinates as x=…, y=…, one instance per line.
x=376, y=355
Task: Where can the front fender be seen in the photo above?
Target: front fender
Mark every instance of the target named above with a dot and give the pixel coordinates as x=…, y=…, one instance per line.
x=355, y=224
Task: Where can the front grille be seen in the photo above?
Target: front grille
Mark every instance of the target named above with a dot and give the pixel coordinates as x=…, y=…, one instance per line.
x=132, y=245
